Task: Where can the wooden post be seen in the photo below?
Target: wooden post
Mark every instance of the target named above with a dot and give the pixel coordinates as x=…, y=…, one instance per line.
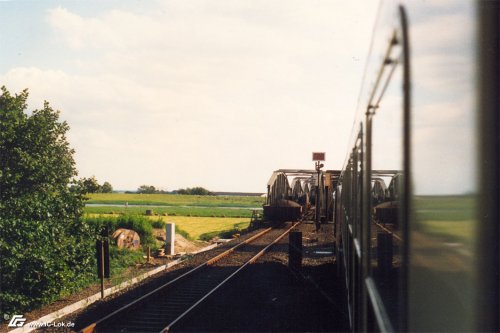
x=102, y=269
x=384, y=253
x=295, y=250
x=149, y=253
x=102, y=257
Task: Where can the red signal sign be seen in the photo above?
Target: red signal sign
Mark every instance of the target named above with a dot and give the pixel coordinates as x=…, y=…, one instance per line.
x=318, y=156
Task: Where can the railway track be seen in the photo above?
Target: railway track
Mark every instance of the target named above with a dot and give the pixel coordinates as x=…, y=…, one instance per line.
x=164, y=307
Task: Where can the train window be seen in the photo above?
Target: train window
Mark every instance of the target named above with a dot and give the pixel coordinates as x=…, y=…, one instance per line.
x=418, y=230
x=443, y=231
x=386, y=233
x=386, y=154
x=352, y=186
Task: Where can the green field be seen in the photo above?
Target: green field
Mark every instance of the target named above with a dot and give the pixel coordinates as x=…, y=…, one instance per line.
x=172, y=211
x=174, y=200
x=173, y=205
x=450, y=218
x=444, y=208
x=451, y=231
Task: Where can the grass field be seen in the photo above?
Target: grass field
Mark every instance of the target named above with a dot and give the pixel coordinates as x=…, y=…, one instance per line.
x=205, y=228
x=173, y=204
x=450, y=231
x=451, y=218
x=174, y=200
x=172, y=211
x=445, y=208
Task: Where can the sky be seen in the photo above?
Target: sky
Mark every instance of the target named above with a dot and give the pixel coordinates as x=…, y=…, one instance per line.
x=187, y=93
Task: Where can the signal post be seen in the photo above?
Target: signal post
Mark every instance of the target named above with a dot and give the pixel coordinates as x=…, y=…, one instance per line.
x=318, y=158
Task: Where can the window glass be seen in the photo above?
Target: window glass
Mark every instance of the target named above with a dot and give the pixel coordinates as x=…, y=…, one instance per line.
x=444, y=166
x=386, y=239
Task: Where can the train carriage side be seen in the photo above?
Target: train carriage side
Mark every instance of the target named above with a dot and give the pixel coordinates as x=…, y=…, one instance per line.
x=425, y=257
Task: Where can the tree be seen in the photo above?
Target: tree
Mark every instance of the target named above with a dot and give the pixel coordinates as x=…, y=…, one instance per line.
x=45, y=247
x=106, y=188
x=182, y=191
x=199, y=191
x=146, y=189
x=89, y=185
x=194, y=191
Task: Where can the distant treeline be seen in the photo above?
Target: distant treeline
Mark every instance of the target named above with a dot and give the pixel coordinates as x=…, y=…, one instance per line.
x=193, y=191
x=150, y=189
x=239, y=194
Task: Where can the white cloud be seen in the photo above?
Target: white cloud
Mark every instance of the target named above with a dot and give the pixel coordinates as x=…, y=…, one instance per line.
x=217, y=94
x=443, y=31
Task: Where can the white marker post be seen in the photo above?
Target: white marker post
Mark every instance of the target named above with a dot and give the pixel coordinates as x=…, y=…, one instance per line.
x=170, y=239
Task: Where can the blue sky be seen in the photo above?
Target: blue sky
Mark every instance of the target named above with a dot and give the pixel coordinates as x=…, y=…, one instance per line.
x=192, y=93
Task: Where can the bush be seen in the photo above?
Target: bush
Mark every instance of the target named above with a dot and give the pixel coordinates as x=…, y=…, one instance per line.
x=158, y=224
x=46, y=250
x=120, y=259
x=140, y=224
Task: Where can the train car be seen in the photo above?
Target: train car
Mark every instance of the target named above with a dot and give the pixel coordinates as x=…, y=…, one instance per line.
x=279, y=206
x=429, y=113
x=297, y=190
x=331, y=180
x=379, y=191
x=278, y=188
x=288, y=202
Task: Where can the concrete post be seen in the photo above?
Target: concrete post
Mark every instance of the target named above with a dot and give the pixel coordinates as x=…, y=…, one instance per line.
x=170, y=239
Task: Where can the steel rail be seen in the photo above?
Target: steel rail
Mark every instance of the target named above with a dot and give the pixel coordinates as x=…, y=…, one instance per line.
x=90, y=328
x=251, y=261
